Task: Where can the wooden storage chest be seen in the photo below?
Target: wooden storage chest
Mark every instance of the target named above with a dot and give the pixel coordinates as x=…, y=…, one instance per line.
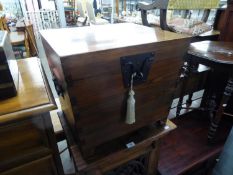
x=8, y=68
x=92, y=67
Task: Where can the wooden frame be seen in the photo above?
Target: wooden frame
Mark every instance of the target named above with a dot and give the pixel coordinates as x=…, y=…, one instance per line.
x=163, y=6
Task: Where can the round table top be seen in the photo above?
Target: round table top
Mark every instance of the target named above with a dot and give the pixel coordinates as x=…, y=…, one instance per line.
x=216, y=51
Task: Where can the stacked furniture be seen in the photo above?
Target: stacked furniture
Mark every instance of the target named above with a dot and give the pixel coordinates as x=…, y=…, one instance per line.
x=28, y=144
x=93, y=77
x=8, y=68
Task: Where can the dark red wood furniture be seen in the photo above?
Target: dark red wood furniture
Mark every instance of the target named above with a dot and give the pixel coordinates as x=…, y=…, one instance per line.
x=92, y=68
x=219, y=57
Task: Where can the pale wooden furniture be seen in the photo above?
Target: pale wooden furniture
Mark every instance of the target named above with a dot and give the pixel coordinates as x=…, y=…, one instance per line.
x=28, y=28
x=17, y=38
x=28, y=143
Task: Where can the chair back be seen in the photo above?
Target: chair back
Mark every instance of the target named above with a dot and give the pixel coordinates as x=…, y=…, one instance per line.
x=192, y=4
x=187, y=5
x=90, y=11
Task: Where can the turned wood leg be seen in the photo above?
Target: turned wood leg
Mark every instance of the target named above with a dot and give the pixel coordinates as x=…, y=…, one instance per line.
x=193, y=69
x=189, y=100
x=216, y=119
x=153, y=159
x=184, y=78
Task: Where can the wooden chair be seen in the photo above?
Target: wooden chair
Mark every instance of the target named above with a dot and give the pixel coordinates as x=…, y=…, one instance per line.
x=91, y=15
x=186, y=24
x=16, y=38
x=218, y=55
x=181, y=25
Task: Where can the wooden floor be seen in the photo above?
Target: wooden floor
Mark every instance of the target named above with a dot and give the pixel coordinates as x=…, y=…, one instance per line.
x=186, y=147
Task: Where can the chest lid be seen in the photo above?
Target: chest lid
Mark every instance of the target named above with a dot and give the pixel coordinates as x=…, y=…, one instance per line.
x=74, y=41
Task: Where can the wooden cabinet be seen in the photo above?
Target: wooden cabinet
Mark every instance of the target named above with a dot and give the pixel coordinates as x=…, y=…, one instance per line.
x=27, y=143
x=41, y=166
x=93, y=67
x=135, y=153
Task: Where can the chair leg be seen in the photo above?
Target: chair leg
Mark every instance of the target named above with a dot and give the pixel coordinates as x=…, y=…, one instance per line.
x=184, y=78
x=217, y=118
x=189, y=100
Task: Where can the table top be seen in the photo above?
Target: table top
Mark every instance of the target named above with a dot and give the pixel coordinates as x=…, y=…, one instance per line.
x=74, y=41
x=216, y=51
x=34, y=95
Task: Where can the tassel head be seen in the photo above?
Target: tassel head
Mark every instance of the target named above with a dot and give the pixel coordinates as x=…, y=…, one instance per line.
x=130, y=113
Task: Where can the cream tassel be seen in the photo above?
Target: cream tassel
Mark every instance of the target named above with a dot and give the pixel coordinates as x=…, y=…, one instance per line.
x=130, y=113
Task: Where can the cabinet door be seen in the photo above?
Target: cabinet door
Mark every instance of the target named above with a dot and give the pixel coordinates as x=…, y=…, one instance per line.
x=44, y=166
x=22, y=142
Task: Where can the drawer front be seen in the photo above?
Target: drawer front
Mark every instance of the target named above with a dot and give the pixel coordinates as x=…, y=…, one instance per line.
x=22, y=141
x=44, y=166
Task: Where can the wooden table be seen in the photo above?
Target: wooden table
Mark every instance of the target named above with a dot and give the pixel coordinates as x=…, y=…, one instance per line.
x=28, y=144
x=143, y=154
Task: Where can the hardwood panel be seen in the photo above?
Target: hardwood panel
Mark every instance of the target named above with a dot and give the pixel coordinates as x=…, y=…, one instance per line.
x=187, y=147
x=227, y=29
x=22, y=141
x=89, y=72
x=33, y=93
x=103, y=37
x=43, y=166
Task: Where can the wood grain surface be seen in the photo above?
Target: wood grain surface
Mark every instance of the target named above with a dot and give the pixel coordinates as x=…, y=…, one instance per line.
x=103, y=37
x=33, y=94
x=87, y=66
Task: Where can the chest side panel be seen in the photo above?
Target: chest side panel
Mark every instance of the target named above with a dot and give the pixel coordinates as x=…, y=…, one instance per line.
x=95, y=82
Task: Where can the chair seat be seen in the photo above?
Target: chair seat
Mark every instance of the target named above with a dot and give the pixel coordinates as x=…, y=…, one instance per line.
x=215, y=51
x=17, y=38
x=189, y=26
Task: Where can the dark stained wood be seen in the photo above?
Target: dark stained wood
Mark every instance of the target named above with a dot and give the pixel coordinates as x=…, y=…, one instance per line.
x=89, y=72
x=43, y=166
x=19, y=140
x=113, y=154
x=8, y=68
x=28, y=144
x=219, y=52
x=186, y=147
x=219, y=57
x=227, y=30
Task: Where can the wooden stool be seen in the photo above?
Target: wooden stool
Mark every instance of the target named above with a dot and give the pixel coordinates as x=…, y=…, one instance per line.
x=219, y=57
x=139, y=156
